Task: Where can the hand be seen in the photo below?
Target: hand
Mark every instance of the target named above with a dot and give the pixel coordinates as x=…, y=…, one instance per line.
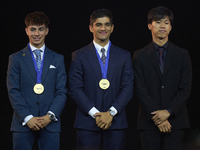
x=165, y=127
x=160, y=116
x=98, y=119
x=103, y=120
x=46, y=120
x=35, y=123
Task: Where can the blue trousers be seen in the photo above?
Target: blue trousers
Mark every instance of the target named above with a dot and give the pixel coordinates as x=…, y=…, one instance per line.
x=101, y=140
x=46, y=140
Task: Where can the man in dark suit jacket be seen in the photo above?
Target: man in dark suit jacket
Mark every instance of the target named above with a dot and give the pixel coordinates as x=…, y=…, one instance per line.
x=163, y=75
x=101, y=83
x=37, y=89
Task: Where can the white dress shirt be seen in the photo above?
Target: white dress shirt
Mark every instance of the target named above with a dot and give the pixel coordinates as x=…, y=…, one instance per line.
x=27, y=118
x=98, y=47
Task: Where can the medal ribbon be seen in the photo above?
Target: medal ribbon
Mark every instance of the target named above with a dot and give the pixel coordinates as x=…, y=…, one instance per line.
x=104, y=68
x=39, y=72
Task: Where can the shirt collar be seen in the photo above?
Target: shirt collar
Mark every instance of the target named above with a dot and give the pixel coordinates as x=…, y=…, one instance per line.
x=157, y=46
x=34, y=48
x=99, y=47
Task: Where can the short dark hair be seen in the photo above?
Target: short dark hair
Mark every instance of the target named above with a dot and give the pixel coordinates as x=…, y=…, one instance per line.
x=99, y=14
x=158, y=13
x=36, y=18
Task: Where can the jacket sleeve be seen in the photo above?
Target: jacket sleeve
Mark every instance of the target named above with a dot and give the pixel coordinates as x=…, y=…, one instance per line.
x=14, y=92
x=145, y=101
x=60, y=89
x=184, y=88
x=126, y=87
x=76, y=84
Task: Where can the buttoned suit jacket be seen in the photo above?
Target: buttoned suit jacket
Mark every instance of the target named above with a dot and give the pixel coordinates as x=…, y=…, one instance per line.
x=22, y=77
x=84, y=76
x=157, y=91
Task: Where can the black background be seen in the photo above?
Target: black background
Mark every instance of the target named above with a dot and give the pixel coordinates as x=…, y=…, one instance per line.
x=69, y=20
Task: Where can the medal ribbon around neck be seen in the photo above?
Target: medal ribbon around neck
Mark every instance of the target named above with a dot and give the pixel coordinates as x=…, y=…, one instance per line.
x=38, y=88
x=104, y=68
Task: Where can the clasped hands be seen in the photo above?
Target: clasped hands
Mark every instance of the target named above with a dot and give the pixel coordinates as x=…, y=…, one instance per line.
x=160, y=119
x=37, y=123
x=103, y=120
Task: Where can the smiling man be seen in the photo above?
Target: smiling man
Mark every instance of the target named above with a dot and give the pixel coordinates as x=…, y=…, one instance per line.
x=101, y=83
x=36, y=82
x=163, y=76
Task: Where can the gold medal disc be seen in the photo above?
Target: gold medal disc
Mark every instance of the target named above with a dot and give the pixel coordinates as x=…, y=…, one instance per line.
x=104, y=84
x=38, y=88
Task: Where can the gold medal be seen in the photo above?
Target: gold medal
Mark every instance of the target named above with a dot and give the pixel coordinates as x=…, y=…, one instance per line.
x=38, y=88
x=104, y=84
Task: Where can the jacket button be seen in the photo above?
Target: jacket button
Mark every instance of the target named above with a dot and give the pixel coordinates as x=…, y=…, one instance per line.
x=37, y=103
x=162, y=86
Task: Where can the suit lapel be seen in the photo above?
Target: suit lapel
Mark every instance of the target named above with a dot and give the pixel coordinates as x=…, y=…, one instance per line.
x=92, y=58
x=169, y=58
x=46, y=63
x=151, y=52
x=27, y=58
x=91, y=55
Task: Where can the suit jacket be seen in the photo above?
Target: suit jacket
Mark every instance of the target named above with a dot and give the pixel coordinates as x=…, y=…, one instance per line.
x=21, y=78
x=84, y=76
x=157, y=91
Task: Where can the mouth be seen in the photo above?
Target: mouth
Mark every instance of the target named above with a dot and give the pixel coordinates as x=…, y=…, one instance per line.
x=37, y=39
x=103, y=33
x=162, y=31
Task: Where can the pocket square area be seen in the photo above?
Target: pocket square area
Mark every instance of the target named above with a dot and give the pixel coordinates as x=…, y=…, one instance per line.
x=51, y=66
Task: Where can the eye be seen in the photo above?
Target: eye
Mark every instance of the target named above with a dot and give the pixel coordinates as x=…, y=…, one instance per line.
x=41, y=29
x=32, y=29
x=98, y=24
x=108, y=24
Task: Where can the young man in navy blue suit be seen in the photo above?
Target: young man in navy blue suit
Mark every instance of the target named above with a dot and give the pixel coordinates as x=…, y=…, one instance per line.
x=163, y=76
x=36, y=82
x=101, y=83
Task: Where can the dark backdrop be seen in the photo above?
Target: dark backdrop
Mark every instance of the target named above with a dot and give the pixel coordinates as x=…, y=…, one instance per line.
x=69, y=20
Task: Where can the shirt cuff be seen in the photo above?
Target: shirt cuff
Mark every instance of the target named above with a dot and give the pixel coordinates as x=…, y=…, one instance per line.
x=114, y=110
x=93, y=111
x=50, y=112
x=26, y=119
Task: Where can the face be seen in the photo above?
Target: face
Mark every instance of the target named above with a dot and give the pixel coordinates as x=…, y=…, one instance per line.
x=160, y=29
x=101, y=29
x=37, y=34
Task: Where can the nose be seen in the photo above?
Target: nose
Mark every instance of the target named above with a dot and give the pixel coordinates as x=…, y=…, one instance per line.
x=162, y=24
x=103, y=27
x=36, y=32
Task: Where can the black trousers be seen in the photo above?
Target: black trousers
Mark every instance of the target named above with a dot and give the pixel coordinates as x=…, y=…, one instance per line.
x=155, y=140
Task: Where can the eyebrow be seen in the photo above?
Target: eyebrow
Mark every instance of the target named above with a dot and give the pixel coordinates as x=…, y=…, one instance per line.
x=163, y=20
x=36, y=28
x=102, y=22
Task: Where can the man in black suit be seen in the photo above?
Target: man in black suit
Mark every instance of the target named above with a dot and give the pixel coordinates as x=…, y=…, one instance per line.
x=163, y=76
x=101, y=83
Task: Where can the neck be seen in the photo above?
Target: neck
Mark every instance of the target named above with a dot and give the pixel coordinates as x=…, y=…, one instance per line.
x=38, y=46
x=102, y=43
x=160, y=42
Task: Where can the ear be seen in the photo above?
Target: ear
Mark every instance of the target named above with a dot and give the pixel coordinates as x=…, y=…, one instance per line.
x=170, y=27
x=26, y=30
x=150, y=26
x=112, y=28
x=47, y=31
x=91, y=28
